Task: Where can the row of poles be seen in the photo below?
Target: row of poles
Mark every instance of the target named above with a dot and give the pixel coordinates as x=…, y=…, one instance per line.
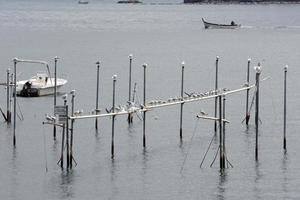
x=219, y=98
x=67, y=139
x=11, y=82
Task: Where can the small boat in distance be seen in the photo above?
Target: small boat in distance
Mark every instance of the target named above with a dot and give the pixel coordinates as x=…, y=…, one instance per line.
x=82, y=2
x=232, y=25
x=39, y=85
x=129, y=1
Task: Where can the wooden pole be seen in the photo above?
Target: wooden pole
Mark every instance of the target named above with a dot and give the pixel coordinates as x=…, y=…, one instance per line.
x=247, y=93
x=258, y=71
x=284, y=109
x=113, y=117
x=216, y=88
x=129, y=119
x=181, y=105
x=144, y=104
x=72, y=129
x=8, y=112
x=15, y=101
x=55, y=92
x=97, y=95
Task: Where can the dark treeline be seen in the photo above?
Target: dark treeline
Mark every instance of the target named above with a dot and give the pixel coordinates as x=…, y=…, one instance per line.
x=241, y=1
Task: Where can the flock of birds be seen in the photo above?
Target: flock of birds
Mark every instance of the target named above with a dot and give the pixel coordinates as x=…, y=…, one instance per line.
x=134, y=107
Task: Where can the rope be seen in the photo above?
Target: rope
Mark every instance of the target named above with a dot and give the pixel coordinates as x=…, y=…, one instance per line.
x=3, y=115
x=215, y=157
x=21, y=117
x=252, y=101
x=45, y=152
x=194, y=131
x=207, y=149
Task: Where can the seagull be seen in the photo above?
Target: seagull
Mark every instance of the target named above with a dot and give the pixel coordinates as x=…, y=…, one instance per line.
x=189, y=94
x=108, y=111
x=203, y=113
x=48, y=118
x=78, y=112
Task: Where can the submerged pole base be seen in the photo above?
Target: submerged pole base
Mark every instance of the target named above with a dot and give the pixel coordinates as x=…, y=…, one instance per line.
x=247, y=118
x=130, y=119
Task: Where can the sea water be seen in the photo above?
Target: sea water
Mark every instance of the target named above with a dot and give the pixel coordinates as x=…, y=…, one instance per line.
x=161, y=35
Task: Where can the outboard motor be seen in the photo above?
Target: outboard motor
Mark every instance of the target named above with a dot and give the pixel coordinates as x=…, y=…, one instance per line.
x=27, y=91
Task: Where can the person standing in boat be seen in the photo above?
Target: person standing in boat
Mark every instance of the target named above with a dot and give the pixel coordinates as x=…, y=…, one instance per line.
x=232, y=23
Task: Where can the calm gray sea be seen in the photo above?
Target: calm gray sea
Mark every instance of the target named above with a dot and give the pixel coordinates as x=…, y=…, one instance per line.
x=162, y=36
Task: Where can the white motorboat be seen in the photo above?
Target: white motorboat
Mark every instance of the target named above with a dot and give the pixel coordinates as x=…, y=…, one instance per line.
x=39, y=85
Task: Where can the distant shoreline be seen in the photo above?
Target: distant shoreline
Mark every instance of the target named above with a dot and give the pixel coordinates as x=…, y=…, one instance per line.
x=240, y=2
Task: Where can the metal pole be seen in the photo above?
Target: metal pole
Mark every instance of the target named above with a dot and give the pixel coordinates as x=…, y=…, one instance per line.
x=15, y=101
x=67, y=132
x=97, y=94
x=258, y=71
x=181, y=105
x=72, y=127
x=113, y=117
x=55, y=92
x=284, y=115
x=144, y=103
x=8, y=112
x=220, y=132
x=224, y=149
x=247, y=95
x=216, y=88
x=62, y=148
x=129, y=89
x=11, y=92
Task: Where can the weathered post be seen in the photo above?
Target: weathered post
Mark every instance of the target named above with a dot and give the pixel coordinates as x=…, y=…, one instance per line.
x=113, y=117
x=144, y=104
x=130, y=117
x=284, y=109
x=55, y=92
x=15, y=101
x=72, y=128
x=216, y=88
x=258, y=71
x=97, y=95
x=181, y=105
x=8, y=112
x=247, y=117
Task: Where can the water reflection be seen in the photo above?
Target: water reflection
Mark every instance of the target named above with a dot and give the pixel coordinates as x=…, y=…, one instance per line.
x=14, y=174
x=67, y=179
x=113, y=179
x=257, y=178
x=145, y=161
x=222, y=185
x=284, y=169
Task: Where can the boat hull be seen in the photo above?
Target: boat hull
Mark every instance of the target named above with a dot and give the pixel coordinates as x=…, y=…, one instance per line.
x=29, y=88
x=208, y=25
x=37, y=92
